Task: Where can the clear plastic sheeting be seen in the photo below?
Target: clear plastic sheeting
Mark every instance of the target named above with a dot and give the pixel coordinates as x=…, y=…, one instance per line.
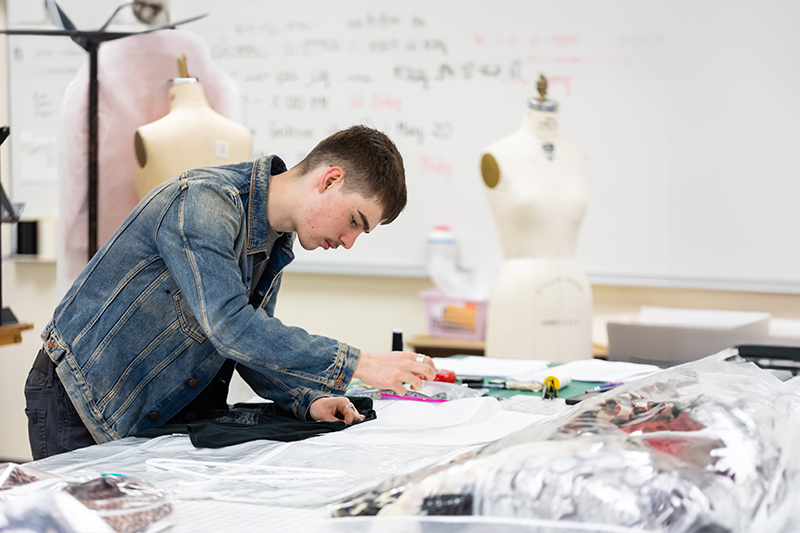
x=408, y=436
x=302, y=474
x=706, y=446
x=460, y=524
x=451, y=391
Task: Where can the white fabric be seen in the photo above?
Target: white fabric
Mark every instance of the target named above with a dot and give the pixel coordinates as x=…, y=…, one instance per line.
x=466, y=422
x=603, y=371
x=475, y=365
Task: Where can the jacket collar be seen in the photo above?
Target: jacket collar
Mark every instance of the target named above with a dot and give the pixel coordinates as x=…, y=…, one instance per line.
x=257, y=222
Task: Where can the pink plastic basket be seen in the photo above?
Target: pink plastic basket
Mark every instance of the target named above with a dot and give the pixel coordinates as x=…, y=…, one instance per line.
x=454, y=318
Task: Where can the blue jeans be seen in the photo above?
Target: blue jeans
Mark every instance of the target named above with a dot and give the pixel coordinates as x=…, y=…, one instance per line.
x=53, y=423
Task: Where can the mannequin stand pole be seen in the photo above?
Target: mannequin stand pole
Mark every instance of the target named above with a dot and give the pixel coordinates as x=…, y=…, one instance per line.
x=93, y=49
x=90, y=41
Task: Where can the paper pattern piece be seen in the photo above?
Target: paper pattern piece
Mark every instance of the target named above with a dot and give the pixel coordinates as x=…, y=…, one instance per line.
x=607, y=371
x=38, y=156
x=475, y=365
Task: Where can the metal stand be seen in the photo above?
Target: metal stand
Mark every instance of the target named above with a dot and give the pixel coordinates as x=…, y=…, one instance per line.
x=10, y=213
x=91, y=41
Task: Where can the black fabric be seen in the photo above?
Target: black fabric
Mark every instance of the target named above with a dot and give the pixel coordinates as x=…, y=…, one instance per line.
x=259, y=266
x=42, y=362
x=246, y=422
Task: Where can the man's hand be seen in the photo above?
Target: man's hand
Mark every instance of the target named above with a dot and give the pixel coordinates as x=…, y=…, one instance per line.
x=334, y=409
x=391, y=370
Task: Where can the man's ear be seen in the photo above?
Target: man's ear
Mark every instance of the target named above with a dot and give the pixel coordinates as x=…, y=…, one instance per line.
x=330, y=177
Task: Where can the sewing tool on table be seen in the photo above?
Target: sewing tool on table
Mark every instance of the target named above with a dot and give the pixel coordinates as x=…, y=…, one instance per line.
x=552, y=383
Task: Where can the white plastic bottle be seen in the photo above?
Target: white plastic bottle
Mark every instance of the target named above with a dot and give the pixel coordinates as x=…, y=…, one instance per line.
x=442, y=245
x=443, y=260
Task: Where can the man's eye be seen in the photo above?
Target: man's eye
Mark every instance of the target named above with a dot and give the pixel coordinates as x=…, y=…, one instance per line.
x=353, y=222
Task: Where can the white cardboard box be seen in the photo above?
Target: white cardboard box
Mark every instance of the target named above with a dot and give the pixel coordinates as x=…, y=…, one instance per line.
x=667, y=336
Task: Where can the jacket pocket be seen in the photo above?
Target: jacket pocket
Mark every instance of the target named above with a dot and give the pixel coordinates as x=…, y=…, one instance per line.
x=189, y=323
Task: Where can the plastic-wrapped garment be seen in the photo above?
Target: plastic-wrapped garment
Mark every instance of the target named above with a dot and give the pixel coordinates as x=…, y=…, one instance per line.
x=14, y=475
x=126, y=504
x=710, y=445
x=296, y=474
x=53, y=512
x=133, y=80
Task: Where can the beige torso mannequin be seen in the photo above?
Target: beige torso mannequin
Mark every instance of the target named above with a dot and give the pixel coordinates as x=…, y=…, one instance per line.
x=539, y=200
x=191, y=135
x=541, y=304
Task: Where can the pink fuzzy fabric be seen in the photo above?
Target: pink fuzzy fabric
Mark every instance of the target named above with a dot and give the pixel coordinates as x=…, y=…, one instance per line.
x=133, y=80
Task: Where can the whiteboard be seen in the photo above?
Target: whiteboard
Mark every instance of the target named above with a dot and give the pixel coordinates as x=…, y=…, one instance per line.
x=39, y=72
x=687, y=111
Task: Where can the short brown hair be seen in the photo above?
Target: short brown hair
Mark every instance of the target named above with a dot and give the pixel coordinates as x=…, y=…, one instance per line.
x=373, y=167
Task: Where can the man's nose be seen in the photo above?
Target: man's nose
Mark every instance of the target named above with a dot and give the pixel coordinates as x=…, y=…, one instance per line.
x=349, y=239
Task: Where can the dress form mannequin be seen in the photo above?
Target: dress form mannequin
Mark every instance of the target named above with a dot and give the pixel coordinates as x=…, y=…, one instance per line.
x=131, y=74
x=541, y=303
x=191, y=135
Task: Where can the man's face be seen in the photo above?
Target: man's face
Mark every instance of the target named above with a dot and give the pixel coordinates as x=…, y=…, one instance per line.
x=336, y=219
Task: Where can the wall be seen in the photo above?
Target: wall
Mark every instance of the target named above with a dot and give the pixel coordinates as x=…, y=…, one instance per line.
x=699, y=153
x=359, y=310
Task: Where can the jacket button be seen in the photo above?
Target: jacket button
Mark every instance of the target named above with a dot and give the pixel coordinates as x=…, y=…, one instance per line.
x=50, y=345
x=153, y=416
x=338, y=383
x=193, y=383
x=47, y=335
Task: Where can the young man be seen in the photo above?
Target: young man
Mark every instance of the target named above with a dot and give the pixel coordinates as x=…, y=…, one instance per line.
x=185, y=291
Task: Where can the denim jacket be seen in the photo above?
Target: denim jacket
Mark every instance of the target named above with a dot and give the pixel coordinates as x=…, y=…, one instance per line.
x=153, y=316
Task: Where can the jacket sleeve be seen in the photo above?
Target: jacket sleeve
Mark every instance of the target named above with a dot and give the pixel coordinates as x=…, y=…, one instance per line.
x=202, y=239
